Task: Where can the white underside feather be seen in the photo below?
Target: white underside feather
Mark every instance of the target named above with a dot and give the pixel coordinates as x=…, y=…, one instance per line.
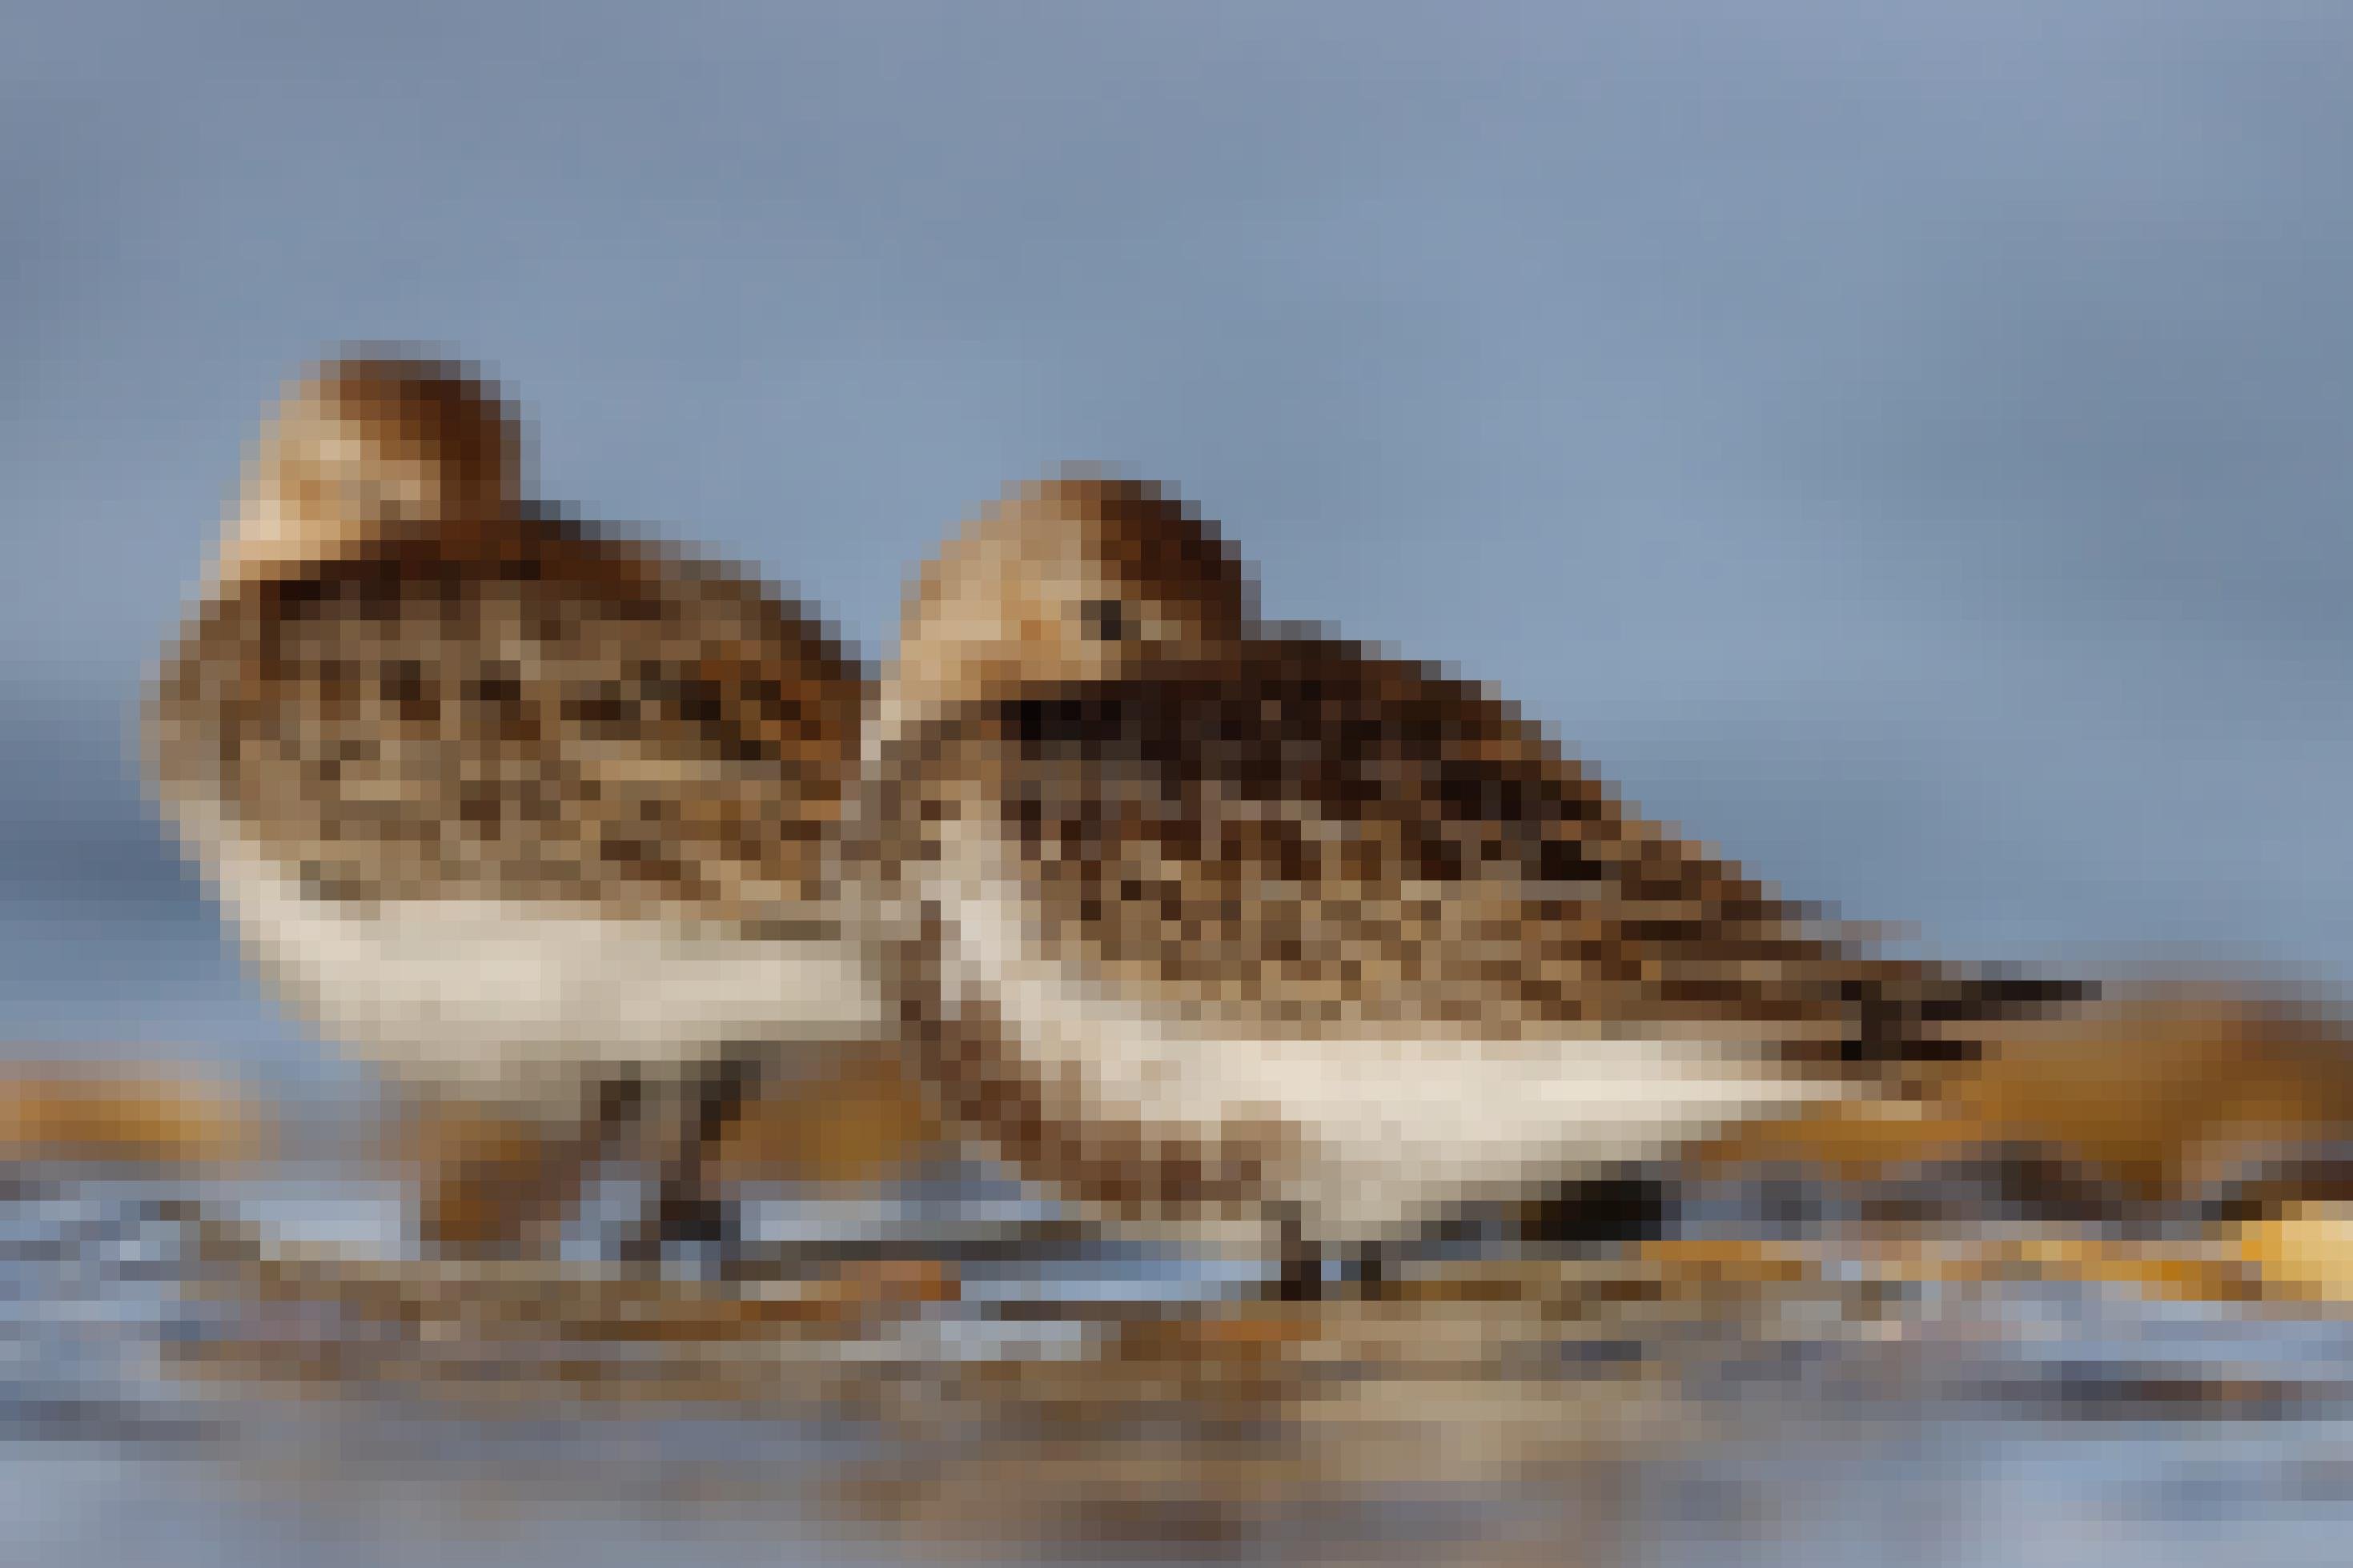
x=531, y=1002
x=1393, y=1131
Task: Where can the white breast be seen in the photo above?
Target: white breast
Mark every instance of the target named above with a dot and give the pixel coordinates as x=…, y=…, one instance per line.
x=1391, y=1132
x=528, y=1003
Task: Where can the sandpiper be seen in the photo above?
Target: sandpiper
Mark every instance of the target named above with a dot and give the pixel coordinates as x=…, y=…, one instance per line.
x=1193, y=916
x=531, y=814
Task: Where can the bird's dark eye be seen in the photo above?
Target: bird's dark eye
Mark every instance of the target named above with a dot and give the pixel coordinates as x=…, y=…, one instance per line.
x=1106, y=619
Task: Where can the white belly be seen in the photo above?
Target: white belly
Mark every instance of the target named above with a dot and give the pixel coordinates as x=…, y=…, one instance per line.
x=1390, y=1132
x=532, y=1003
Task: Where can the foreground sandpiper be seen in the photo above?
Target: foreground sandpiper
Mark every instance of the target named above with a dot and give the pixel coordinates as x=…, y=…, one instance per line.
x=531, y=814
x=1196, y=918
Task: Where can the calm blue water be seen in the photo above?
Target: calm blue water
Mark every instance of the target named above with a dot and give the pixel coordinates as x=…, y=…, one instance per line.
x=2016, y=1425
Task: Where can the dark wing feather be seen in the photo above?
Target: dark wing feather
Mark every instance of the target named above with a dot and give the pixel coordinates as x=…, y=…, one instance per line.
x=1305, y=837
x=524, y=712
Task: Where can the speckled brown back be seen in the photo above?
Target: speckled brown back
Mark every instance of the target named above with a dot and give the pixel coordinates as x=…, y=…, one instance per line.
x=519, y=709
x=1301, y=839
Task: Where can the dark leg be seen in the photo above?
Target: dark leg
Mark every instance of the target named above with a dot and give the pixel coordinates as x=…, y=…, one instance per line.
x=1603, y=1211
x=683, y=1209
x=1300, y=1273
x=1303, y=1278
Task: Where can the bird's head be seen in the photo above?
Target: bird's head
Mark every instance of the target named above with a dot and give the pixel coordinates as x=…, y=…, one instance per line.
x=363, y=449
x=1065, y=582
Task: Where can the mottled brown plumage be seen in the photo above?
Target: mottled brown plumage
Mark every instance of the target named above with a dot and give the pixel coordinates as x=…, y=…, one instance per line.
x=527, y=812
x=534, y=714
x=1212, y=908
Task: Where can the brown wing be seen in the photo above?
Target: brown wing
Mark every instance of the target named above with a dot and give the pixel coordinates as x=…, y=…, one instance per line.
x=526, y=711
x=1309, y=839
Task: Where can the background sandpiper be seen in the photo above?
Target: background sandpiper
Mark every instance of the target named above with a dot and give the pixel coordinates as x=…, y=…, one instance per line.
x=532, y=815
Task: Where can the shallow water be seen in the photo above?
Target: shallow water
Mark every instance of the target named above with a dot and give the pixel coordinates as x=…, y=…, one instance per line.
x=259, y=1373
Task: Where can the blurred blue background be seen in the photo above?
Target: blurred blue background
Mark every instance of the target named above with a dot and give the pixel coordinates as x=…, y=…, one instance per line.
x=1907, y=446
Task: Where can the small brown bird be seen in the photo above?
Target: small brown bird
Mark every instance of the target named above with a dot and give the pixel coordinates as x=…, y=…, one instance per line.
x=532, y=815
x=1195, y=916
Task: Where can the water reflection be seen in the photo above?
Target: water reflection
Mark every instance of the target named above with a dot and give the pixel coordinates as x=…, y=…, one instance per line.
x=260, y=1367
